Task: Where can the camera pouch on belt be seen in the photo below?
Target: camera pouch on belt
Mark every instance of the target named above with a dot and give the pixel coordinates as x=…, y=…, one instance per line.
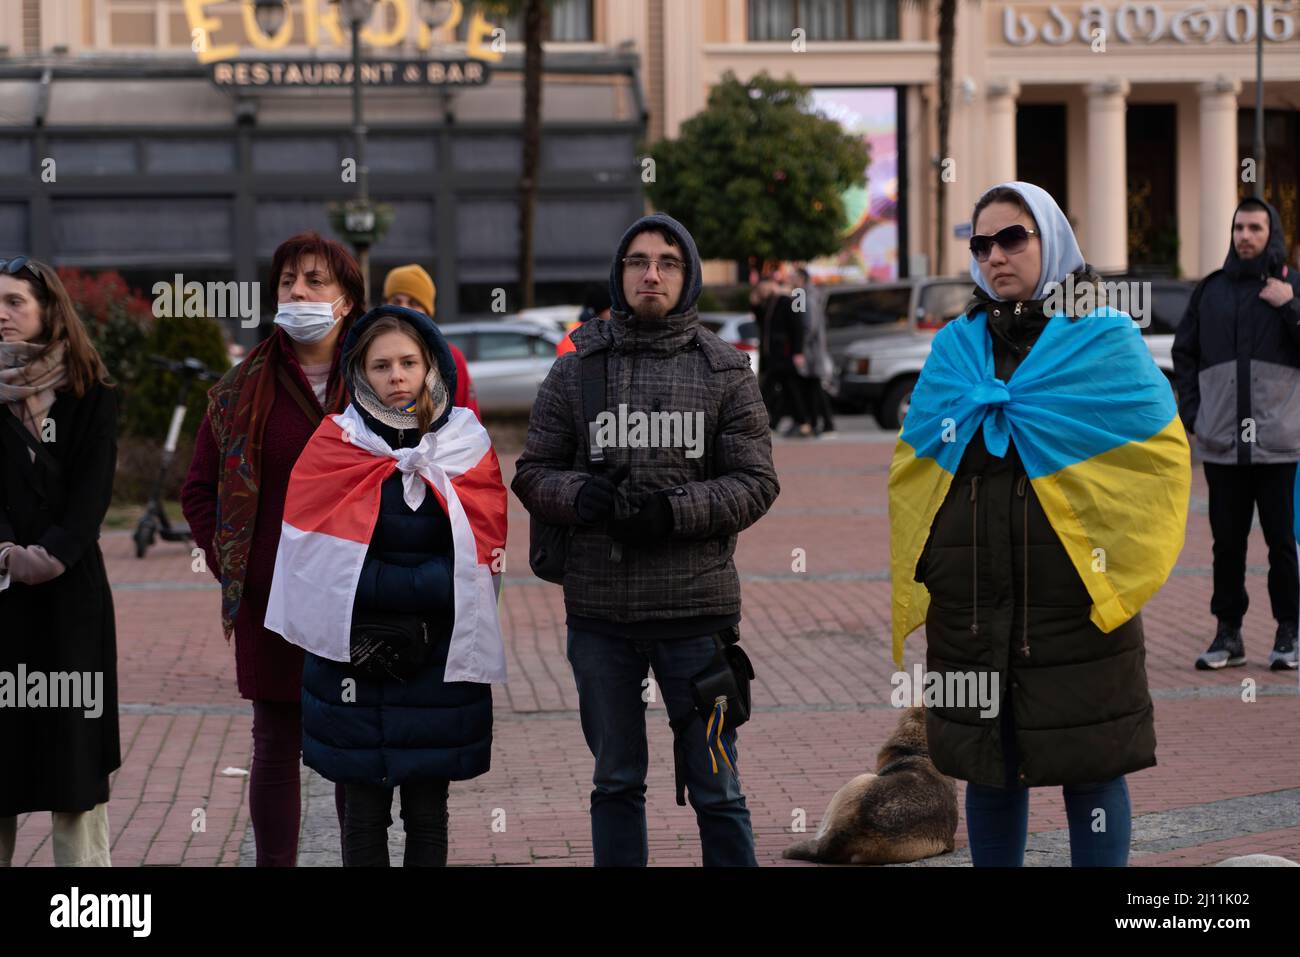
x=721, y=697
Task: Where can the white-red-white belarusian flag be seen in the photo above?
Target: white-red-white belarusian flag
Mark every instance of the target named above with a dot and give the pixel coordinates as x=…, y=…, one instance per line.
x=330, y=514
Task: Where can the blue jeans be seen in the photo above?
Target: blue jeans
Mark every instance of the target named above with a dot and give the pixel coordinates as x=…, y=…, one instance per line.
x=997, y=822
x=611, y=676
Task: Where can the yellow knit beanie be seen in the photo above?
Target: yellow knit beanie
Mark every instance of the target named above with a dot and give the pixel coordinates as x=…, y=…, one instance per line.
x=413, y=281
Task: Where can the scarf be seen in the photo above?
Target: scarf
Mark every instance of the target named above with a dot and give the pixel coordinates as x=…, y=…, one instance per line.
x=401, y=419
x=29, y=380
x=330, y=515
x=238, y=408
x=1096, y=427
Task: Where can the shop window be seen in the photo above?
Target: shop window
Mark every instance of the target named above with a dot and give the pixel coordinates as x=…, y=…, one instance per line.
x=570, y=22
x=824, y=19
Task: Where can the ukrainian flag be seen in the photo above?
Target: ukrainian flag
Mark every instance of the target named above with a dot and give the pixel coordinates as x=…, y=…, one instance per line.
x=1095, y=423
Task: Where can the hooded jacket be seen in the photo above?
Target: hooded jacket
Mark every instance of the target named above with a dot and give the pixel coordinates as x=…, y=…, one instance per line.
x=1005, y=597
x=1237, y=360
x=666, y=371
x=425, y=728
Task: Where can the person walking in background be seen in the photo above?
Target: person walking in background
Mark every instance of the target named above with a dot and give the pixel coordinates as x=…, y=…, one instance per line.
x=815, y=367
x=595, y=305
x=1237, y=365
x=780, y=355
x=58, y=456
x=391, y=589
x=411, y=287
x=260, y=416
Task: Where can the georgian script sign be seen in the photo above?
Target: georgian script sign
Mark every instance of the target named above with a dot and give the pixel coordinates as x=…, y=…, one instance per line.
x=1187, y=23
x=316, y=73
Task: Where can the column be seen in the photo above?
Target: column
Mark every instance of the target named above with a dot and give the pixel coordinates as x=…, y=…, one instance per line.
x=1002, y=130
x=1106, y=244
x=1220, y=171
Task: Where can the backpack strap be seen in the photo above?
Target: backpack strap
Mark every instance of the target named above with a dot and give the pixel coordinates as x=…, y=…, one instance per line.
x=593, y=402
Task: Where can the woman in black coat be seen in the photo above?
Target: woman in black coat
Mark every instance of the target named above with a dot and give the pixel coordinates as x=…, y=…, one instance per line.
x=377, y=725
x=58, y=436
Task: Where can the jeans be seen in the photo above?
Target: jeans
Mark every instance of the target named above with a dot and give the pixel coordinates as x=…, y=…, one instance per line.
x=611, y=677
x=368, y=815
x=997, y=822
x=274, y=798
x=1235, y=491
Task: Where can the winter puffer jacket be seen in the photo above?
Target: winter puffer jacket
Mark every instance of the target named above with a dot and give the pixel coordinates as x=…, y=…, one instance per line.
x=669, y=366
x=1237, y=361
x=425, y=728
x=1005, y=598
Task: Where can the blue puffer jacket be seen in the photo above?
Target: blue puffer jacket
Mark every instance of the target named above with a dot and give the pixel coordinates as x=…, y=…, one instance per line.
x=425, y=728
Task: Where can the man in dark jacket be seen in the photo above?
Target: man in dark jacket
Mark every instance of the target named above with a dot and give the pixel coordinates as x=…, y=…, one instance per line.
x=1237, y=363
x=649, y=579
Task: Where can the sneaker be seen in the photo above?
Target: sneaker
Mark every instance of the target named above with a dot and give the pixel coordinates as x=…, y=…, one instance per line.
x=1225, y=651
x=1284, y=648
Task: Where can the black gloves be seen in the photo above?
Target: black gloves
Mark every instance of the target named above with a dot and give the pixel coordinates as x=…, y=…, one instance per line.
x=595, y=501
x=652, y=523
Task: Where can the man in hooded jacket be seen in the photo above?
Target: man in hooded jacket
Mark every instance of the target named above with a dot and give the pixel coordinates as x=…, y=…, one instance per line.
x=1237, y=364
x=649, y=579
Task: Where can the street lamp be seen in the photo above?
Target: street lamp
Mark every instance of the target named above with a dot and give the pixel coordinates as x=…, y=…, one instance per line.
x=358, y=216
x=270, y=15
x=435, y=13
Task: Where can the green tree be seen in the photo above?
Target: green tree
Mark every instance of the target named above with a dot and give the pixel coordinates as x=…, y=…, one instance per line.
x=758, y=174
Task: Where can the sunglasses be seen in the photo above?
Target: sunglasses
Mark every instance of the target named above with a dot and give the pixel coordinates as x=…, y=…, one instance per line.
x=11, y=267
x=1011, y=240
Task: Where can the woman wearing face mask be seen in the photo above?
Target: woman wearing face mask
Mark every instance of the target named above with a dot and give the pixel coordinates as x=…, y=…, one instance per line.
x=1038, y=497
x=260, y=416
x=393, y=527
x=58, y=451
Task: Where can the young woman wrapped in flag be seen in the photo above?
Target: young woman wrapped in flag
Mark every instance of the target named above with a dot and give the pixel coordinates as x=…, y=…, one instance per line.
x=394, y=531
x=1038, y=498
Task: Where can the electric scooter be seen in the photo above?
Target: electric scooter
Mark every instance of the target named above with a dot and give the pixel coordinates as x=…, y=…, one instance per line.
x=154, y=522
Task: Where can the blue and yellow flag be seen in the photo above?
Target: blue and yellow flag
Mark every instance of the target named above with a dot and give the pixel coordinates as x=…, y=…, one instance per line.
x=1095, y=423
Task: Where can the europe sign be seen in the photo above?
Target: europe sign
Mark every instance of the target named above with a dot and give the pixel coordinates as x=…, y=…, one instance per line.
x=315, y=24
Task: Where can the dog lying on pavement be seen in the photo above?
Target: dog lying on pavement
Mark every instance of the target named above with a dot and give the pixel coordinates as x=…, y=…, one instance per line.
x=904, y=812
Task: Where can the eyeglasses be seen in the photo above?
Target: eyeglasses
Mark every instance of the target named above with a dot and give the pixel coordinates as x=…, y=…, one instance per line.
x=1011, y=240
x=640, y=265
x=11, y=267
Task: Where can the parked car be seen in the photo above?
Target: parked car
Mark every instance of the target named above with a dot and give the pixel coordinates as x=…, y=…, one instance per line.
x=856, y=312
x=878, y=373
x=508, y=360
x=551, y=317
x=737, y=328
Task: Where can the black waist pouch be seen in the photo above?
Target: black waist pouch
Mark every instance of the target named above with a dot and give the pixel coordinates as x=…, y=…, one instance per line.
x=721, y=697
x=389, y=645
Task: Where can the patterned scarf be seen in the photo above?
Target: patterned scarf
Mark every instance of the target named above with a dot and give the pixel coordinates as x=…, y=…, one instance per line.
x=28, y=380
x=238, y=408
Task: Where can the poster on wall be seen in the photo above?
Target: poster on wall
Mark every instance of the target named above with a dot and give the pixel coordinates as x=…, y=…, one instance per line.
x=871, y=233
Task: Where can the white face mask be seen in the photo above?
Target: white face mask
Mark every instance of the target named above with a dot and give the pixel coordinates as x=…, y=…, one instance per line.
x=307, y=322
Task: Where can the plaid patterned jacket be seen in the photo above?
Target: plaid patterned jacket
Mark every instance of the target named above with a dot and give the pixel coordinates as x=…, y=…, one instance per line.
x=672, y=366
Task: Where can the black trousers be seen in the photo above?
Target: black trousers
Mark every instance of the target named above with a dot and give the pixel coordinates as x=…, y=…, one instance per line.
x=1235, y=491
x=783, y=394
x=368, y=815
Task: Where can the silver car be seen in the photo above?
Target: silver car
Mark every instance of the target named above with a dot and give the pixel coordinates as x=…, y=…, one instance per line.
x=507, y=360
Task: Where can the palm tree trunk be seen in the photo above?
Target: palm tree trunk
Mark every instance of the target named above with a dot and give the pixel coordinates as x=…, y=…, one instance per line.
x=534, y=30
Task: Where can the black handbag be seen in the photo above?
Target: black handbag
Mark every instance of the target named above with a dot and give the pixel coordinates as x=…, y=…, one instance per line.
x=389, y=645
x=548, y=545
x=721, y=695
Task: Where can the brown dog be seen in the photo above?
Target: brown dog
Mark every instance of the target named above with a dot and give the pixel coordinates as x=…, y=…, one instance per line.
x=904, y=812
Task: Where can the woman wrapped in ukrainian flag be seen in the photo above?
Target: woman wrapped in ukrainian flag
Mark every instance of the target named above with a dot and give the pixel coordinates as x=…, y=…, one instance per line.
x=1037, y=498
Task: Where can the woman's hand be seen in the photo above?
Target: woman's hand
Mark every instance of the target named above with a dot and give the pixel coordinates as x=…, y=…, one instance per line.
x=33, y=565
